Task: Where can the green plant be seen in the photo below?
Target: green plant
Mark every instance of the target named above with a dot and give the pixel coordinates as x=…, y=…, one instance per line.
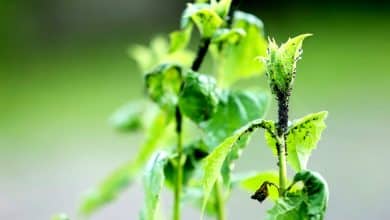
x=196, y=125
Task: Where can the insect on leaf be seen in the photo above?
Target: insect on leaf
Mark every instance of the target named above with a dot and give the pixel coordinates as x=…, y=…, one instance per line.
x=281, y=63
x=302, y=137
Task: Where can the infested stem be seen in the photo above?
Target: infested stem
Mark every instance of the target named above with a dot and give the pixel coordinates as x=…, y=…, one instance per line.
x=179, y=170
x=283, y=98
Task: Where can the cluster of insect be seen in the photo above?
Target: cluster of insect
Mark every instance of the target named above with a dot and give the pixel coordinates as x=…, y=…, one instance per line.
x=196, y=124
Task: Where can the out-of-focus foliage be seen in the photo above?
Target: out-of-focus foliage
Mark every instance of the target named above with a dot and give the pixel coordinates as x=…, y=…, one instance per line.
x=235, y=59
x=120, y=178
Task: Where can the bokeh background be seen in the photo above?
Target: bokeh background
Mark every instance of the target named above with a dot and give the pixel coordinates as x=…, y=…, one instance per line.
x=64, y=70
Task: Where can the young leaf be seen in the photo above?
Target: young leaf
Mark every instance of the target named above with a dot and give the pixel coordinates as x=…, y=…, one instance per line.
x=307, y=204
x=180, y=39
x=237, y=61
x=153, y=183
x=158, y=52
x=229, y=36
x=213, y=163
x=252, y=183
x=281, y=63
x=302, y=137
x=163, y=85
x=222, y=7
x=204, y=17
x=198, y=99
x=121, y=178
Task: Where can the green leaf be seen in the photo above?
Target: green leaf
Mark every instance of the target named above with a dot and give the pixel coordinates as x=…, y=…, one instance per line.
x=281, y=63
x=128, y=117
x=163, y=85
x=230, y=36
x=213, y=165
x=153, y=183
x=239, y=107
x=60, y=217
x=237, y=61
x=222, y=7
x=158, y=52
x=271, y=139
x=180, y=39
x=302, y=137
x=194, y=153
x=204, y=17
x=252, y=183
x=214, y=162
x=317, y=191
x=290, y=207
x=198, y=99
x=307, y=204
x=194, y=195
x=121, y=178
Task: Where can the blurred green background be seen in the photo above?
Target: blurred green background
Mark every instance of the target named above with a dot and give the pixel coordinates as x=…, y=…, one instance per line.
x=64, y=70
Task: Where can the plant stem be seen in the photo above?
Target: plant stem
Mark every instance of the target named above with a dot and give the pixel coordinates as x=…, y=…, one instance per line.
x=220, y=200
x=201, y=54
x=283, y=98
x=179, y=170
x=202, y=51
x=282, y=156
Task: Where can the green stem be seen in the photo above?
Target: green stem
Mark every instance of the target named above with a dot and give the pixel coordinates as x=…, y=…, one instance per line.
x=179, y=170
x=220, y=200
x=282, y=156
